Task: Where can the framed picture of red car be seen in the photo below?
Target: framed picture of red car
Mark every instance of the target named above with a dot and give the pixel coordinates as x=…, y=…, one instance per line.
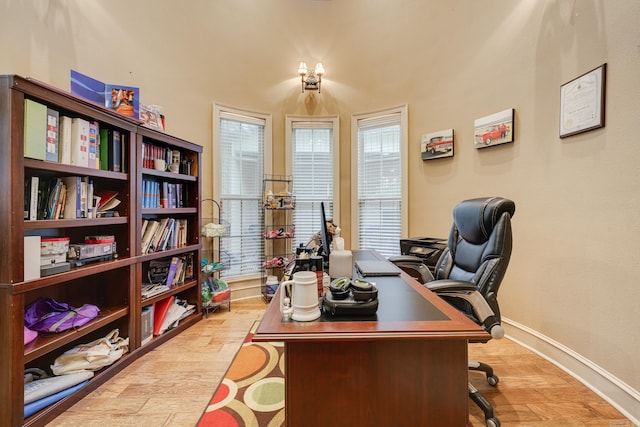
x=437, y=145
x=494, y=129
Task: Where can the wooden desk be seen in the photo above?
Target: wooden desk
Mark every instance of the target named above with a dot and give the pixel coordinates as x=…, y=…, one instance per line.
x=406, y=366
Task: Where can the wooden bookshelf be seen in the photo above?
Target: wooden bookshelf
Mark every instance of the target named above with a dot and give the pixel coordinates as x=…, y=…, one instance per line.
x=113, y=285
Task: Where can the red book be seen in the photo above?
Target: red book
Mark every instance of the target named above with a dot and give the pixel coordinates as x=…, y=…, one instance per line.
x=160, y=310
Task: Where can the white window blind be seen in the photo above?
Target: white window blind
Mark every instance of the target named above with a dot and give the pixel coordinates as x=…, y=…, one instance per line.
x=380, y=184
x=312, y=172
x=242, y=140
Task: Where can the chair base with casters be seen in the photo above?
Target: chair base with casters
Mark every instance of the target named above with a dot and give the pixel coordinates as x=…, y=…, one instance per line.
x=470, y=271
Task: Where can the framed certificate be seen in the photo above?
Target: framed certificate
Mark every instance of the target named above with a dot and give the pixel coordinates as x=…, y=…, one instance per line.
x=582, y=103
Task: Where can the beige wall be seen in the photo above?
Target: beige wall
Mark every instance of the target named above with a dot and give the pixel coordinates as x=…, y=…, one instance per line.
x=575, y=268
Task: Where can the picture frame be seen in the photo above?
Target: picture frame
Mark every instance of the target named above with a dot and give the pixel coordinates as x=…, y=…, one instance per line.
x=494, y=129
x=437, y=145
x=151, y=117
x=582, y=102
x=124, y=100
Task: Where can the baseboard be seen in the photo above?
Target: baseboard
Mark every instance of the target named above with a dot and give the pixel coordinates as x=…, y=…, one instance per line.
x=620, y=395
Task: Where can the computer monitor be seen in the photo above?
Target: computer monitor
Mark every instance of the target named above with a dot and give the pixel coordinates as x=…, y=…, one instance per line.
x=326, y=235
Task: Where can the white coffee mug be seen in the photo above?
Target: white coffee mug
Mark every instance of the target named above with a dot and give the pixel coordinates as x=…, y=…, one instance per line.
x=302, y=293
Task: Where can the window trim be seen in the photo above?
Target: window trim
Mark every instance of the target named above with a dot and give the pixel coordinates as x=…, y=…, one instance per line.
x=290, y=122
x=404, y=143
x=218, y=111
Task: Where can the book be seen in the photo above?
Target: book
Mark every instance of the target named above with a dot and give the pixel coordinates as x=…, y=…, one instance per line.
x=148, y=234
x=103, y=136
x=146, y=333
x=72, y=206
x=64, y=140
x=94, y=154
x=124, y=141
x=155, y=240
x=179, y=278
x=114, y=147
x=160, y=310
x=33, y=185
x=35, y=129
x=150, y=290
x=79, y=142
x=83, y=197
x=166, y=235
x=51, y=153
x=31, y=257
x=90, y=205
x=52, y=198
x=173, y=316
x=105, y=197
x=43, y=195
x=171, y=275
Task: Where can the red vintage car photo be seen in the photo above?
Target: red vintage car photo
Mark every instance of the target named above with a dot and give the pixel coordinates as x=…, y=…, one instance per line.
x=493, y=133
x=439, y=144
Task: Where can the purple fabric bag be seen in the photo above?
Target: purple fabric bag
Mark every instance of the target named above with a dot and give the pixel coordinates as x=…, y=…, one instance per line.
x=29, y=335
x=49, y=315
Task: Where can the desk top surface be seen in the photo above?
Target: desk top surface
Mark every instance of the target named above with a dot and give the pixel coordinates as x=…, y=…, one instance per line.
x=406, y=310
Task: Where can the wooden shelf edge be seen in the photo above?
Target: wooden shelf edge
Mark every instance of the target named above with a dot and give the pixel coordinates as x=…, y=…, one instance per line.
x=44, y=165
x=41, y=224
x=168, y=252
x=188, y=284
x=74, y=273
x=170, y=175
x=166, y=336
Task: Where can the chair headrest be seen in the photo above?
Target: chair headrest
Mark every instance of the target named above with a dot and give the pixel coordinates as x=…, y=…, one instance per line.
x=476, y=218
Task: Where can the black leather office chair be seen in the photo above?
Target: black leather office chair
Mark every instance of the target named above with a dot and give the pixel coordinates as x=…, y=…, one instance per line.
x=470, y=270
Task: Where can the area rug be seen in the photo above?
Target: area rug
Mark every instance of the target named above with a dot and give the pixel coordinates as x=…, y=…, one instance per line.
x=252, y=391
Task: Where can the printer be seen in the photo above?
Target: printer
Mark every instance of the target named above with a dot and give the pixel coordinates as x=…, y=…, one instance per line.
x=428, y=249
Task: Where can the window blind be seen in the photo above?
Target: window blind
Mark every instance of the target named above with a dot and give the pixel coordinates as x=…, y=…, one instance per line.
x=312, y=172
x=380, y=183
x=241, y=171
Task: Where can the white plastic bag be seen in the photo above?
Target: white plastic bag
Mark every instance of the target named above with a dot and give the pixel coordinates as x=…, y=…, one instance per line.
x=91, y=356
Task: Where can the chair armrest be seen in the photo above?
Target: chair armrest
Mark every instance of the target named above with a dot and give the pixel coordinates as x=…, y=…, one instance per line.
x=450, y=285
x=413, y=266
x=405, y=258
x=468, y=292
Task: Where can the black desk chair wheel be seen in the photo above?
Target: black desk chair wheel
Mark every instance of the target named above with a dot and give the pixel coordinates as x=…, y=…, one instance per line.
x=470, y=271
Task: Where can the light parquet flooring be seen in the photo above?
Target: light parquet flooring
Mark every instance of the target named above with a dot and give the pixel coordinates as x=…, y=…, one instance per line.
x=171, y=385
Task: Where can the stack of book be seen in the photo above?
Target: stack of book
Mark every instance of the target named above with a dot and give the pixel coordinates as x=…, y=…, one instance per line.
x=168, y=312
x=53, y=137
x=166, y=233
x=163, y=194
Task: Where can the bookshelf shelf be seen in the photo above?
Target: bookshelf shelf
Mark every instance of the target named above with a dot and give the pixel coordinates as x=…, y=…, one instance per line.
x=113, y=285
x=52, y=167
x=41, y=224
x=50, y=342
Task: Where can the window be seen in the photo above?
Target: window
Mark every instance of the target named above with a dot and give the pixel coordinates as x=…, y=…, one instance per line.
x=313, y=162
x=241, y=147
x=380, y=177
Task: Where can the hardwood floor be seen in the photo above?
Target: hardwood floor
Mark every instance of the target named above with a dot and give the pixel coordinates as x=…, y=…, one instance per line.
x=171, y=385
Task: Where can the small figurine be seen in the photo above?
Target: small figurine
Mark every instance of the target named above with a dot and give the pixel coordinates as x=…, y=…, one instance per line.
x=315, y=242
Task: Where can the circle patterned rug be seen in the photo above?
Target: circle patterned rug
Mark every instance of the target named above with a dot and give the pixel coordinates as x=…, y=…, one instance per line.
x=252, y=391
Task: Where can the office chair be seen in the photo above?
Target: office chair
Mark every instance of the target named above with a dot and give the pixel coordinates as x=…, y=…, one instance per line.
x=470, y=270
